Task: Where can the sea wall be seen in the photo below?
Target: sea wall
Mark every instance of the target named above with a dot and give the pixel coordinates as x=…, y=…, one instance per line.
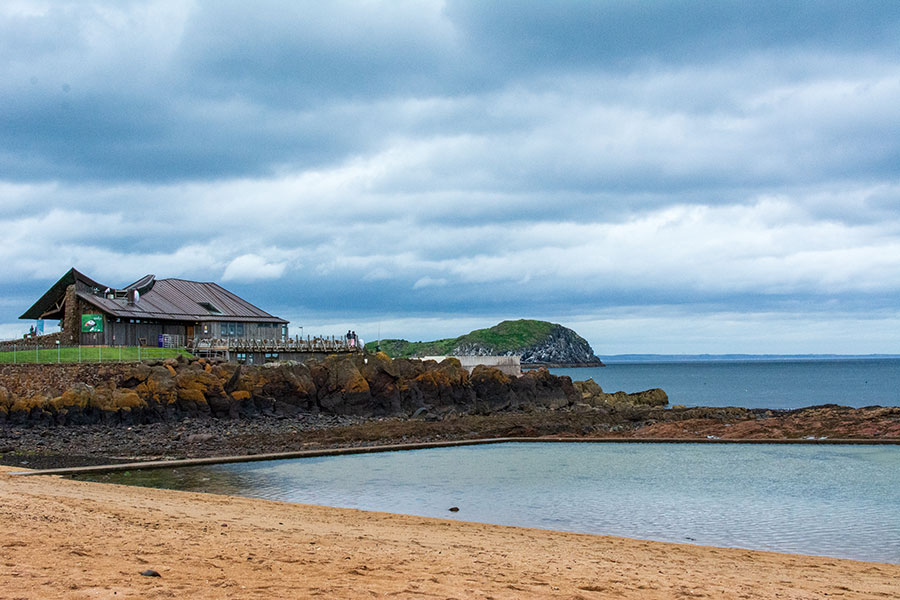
x=373, y=385
x=27, y=380
x=25, y=344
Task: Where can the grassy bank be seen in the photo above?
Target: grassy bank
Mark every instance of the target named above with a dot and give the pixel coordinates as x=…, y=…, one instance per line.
x=85, y=354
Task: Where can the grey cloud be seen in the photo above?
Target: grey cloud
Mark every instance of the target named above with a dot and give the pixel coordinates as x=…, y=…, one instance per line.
x=619, y=35
x=459, y=158
x=302, y=54
x=224, y=91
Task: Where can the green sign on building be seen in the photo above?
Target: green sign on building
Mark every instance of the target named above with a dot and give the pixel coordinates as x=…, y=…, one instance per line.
x=91, y=323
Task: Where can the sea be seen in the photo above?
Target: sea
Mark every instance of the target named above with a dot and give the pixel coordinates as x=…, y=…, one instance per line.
x=829, y=500
x=771, y=382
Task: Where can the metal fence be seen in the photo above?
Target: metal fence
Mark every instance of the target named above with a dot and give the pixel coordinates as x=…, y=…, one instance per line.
x=43, y=354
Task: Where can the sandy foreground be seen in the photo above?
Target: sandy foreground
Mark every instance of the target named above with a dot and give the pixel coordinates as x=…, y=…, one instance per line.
x=68, y=539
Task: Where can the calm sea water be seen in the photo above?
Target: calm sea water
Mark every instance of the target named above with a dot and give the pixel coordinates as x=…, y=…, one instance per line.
x=829, y=500
x=756, y=383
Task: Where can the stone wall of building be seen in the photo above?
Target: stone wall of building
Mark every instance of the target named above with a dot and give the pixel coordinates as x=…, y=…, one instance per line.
x=71, y=322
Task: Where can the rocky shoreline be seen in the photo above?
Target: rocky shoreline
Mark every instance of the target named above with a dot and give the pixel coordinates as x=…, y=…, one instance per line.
x=50, y=446
x=78, y=415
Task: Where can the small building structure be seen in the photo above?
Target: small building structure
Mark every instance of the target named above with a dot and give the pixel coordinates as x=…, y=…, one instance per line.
x=152, y=312
x=508, y=365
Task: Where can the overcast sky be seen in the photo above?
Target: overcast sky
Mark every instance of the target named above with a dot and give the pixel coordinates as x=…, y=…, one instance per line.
x=663, y=177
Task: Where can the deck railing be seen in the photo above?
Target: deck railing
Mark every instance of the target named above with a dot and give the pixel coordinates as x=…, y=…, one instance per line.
x=310, y=344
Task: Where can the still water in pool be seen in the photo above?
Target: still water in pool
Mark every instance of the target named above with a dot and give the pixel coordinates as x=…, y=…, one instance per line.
x=833, y=500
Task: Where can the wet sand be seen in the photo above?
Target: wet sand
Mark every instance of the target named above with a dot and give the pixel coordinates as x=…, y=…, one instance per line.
x=71, y=539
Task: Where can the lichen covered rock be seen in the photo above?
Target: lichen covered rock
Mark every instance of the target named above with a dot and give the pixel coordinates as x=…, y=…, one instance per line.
x=357, y=385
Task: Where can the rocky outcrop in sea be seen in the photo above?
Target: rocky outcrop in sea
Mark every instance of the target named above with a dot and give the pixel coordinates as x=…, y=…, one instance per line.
x=561, y=346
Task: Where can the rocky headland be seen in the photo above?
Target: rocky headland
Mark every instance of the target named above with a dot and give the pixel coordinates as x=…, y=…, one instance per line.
x=536, y=342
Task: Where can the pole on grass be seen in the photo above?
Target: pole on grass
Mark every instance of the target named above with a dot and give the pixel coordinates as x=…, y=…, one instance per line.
x=57, y=351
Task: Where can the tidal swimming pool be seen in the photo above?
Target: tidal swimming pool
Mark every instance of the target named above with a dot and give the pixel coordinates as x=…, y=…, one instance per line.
x=831, y=500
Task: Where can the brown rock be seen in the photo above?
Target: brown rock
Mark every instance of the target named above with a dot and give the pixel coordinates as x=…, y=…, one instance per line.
x=5, y=399
x=78, y=396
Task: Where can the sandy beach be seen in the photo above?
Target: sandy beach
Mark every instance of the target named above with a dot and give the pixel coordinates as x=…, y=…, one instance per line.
x=71, y=539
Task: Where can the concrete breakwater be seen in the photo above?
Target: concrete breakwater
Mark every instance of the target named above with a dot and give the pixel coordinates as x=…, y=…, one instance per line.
x=373, y=385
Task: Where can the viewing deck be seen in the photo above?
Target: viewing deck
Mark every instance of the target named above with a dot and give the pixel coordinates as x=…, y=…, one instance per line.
x=261, y=350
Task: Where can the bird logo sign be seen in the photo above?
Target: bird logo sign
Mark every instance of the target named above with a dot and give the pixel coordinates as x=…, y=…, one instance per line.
x=91, y=323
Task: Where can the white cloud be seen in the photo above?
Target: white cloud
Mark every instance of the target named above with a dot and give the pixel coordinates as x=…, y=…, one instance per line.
x=251, y=267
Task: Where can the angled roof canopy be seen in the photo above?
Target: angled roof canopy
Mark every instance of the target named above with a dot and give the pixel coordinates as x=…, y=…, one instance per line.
x=157, y=299
x=50, y=305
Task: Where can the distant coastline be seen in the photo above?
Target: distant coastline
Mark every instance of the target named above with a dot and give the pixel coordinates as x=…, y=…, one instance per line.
x=528, y=366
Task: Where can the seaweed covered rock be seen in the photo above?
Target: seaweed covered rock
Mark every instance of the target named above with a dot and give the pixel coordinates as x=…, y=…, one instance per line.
x=493, y=391
x=275, y=388
x=444, y=384
x=346, y=390
x=591, y=394
x=547, y=390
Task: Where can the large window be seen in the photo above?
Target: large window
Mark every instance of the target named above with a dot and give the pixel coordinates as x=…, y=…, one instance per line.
x=232, y=330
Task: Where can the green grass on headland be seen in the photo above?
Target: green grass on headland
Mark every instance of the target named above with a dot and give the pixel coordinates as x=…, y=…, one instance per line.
x=88, y=354
x=504, y=337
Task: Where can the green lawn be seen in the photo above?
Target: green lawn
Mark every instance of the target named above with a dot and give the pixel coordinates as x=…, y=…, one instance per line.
x=91, y=354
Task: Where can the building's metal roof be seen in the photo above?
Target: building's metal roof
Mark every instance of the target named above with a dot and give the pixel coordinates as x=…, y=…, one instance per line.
x=159, y=299
x=47, y=306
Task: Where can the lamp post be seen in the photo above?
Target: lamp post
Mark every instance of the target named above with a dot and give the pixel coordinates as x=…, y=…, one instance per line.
x=57, y=351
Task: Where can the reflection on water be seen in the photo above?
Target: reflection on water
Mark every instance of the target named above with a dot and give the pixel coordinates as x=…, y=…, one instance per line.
x=829, y=500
